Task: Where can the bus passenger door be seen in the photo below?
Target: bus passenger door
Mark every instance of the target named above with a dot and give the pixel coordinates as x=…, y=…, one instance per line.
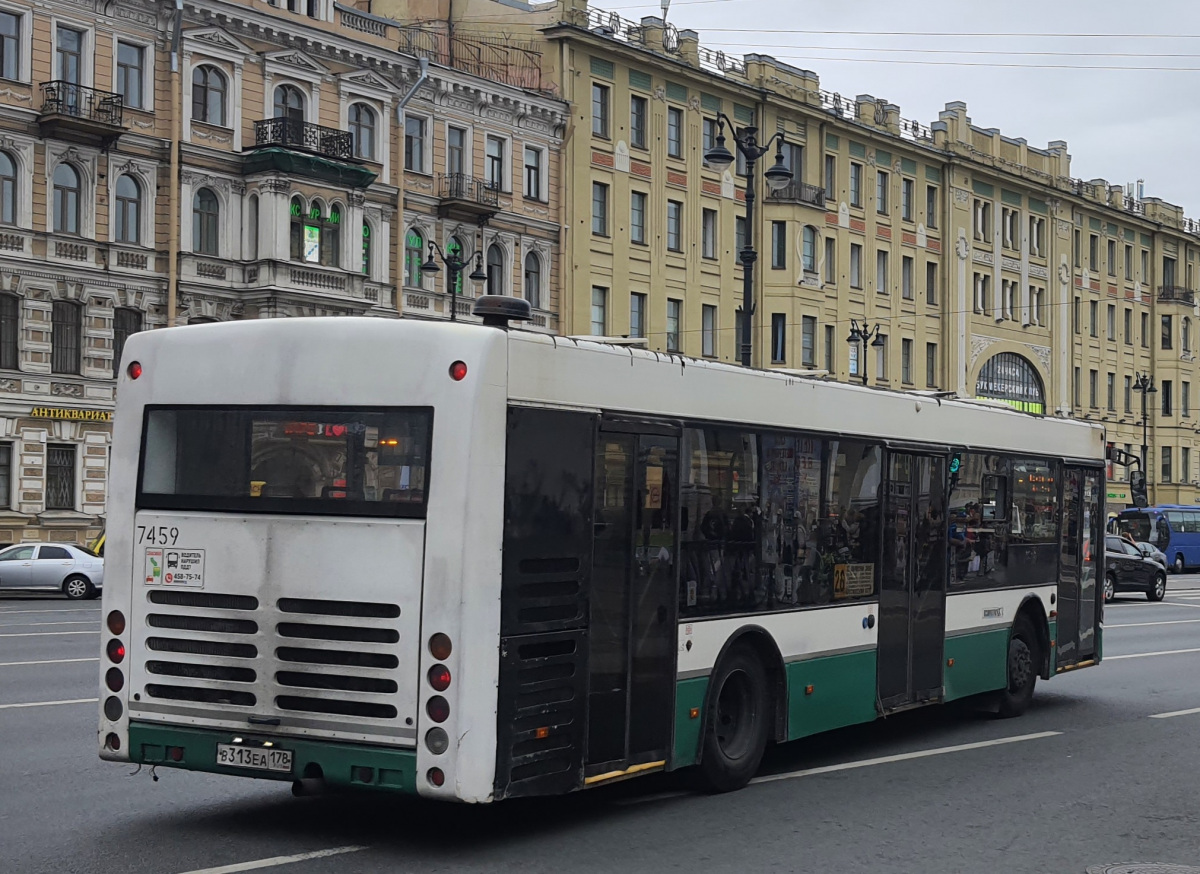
x=912, y=596
x=1078, y=589
x=633, y=602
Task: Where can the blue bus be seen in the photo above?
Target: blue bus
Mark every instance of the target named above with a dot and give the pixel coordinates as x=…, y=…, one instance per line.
x=1173, y=528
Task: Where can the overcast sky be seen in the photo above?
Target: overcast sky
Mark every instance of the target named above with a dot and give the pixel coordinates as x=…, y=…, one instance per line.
x=1120, y=124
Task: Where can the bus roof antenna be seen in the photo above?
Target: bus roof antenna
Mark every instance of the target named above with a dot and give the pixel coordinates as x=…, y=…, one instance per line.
x=497, y=310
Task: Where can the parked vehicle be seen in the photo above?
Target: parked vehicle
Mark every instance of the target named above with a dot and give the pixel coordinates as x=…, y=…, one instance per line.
x=1173, y=528
x=1126, y=569
x=71, y=569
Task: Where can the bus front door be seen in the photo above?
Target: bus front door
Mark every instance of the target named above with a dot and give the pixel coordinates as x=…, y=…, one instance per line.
x=631, y=650
x=912, y=596
x=1078, y=590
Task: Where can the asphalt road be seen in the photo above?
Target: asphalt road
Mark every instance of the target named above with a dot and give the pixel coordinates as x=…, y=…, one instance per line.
x=1094, y=774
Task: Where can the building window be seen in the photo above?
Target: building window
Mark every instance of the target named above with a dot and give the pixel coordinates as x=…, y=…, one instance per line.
x=1076, y=322
x=931, y=207
x=808, y=250
x=708, y=136
x=881, y=192
x=1129, y=394
x=533, y=280
x=68, y=59
x=1145, y=330
x=495, y=270
x=289, y=105
x=1185, y=334
x=533, y=173
x=1009, y=224
x=600, y=209
x=8, y=189
x=931, y=283
x=366, y=244
x=414, y=143
x=1129, y=263
x=1037, y=229
x=1165, y=392
x=10, y=331
x=808, y=341
x=456, y=150
x=5, y=476
x=66, y=199
x=906, y=199
x=906, y=361
x=1112, y=323
x=637, y=315
x=830, y=345
x=882, y=285
x=906, y=277
x=1185, y=463
x=855, y=184
x=209, y=93
x=637, y=217
x=1075, y=387
x=708, y=233
x=674, y=132
x=1128, y=326
x=674, y=226
x=1112, y=258
x=1094, y=319
x=129, y=210
x=981, y=292
x=206, y=222
x=131, y=74
x=362, y=130
x=983, y=221
x=414, y=257
x=739, y=233
x=599, y=110
x=1166, y=464
x=637, y=121
x=599, y=311
x=66, y=327
x=674, y=315
x=60, y=477
x=708, y=330
x=1093, y=394
x=931, y=365
x=1185, y=398
x=10, y=63
x=1167, y=337
x=830, y=268
x=493, y=166
x=1093, y=253
x=1110, y=386
x=778, y=245
x=881, y=358
x=855, y=265
x=1038, y=295
x=778, y=338
x=125, y=323
x=315, y=237
x=830, y=178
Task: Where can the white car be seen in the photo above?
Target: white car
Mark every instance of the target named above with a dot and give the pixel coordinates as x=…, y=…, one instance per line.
x=66, y=567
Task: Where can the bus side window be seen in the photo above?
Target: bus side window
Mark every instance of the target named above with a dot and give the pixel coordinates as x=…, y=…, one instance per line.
x=994, y=502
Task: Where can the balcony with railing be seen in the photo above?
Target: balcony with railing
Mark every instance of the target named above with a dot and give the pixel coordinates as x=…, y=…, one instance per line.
x=292, y=133
x=292, y=145
x=496, y=58
x=86, y=115
x=1175, y=294
x=798, y=192
x=467, y=197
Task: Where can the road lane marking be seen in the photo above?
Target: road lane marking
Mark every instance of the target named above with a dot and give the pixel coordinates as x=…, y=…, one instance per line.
x=1133, y=624
x=95, y=611
x=1175, y=713
x=60, y=662
x=1146, y=655
x=275, y=861
x=901, y=757
x=41, y=624
x=46, y=633
x=49, y=703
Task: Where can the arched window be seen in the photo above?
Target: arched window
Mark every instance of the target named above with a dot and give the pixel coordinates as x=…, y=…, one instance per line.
x=252, y=228
x=10, y=331
x=296, y=228
x=66, y=199
x=533, y=280
x=362, y=130
x=366, y=249
x=206, y=223
x=129, y=210
x=289, y=104
x=8, y=189
x=809, y=252
x=331, y=236
x=414, y=252
x=455, y=247
x=1012, y=379
x=1185, y=334
x=495, y=269
x=208, y=95
x=315, y=234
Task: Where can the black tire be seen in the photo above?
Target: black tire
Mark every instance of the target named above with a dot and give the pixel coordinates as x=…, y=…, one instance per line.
x=1023, y=660
x=736, y=721
x=1158, y=588
x=1110, y=587
x=1178, y=567
x=78, y=588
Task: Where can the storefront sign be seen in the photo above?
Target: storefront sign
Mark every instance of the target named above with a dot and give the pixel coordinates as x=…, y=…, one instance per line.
x=62, y=413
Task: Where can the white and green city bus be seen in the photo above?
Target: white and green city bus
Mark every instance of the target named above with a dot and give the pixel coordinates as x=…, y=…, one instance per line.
x=471, y=563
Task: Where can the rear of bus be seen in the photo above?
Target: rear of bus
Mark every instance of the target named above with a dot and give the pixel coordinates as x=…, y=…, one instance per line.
x=1174, y=529
x=272, y=608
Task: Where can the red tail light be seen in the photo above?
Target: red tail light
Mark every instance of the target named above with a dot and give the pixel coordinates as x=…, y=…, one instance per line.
x=115, y=680
x=435, y=776
x=438, y=708
x=439, y=677
x=458, y=371
x=116, y=652
x=116, y=622
x=135, y=369
x=439, y=646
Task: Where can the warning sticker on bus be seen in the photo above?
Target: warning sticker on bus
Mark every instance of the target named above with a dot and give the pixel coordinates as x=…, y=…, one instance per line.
x=175, y=567
x=853, y=580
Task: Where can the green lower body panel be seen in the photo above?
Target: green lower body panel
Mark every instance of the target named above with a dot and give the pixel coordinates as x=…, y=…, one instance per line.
x=830, y=692
x=689, y=696
x=342, y=764
x=976, y=663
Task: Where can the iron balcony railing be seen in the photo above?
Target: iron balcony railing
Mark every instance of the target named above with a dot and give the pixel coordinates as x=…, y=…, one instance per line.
x=459, y=186
x=798, y=192
x=492, y=56
x=67, y=98
x=1174, y=293
x=292, y=133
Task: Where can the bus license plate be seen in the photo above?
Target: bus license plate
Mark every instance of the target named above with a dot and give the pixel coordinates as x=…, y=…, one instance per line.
x=258, y=758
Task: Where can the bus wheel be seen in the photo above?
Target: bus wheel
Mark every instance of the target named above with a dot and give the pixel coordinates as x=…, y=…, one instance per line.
x=1110, y=587
x=77, y=588
x=1022, y=669
x=1178, y=566
x=1159, y=589
x=736, y=727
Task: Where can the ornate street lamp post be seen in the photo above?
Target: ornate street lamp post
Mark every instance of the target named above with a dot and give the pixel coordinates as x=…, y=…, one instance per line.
x=862, y=336
x=455, y=263
x=1144, y=385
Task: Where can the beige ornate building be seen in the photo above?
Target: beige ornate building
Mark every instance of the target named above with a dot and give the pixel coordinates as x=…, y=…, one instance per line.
x=285, y=160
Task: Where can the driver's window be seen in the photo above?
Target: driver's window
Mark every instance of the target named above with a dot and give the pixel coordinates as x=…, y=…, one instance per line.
x=1130, y=549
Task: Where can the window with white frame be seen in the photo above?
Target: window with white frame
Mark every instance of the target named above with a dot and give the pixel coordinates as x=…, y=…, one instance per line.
x=414, y=257
x=533, y=280
x=637, y=217
x=206, y=223
x=637, y=315
x=808, y=251
x=10, y=53
x=127, y=216
x=674, y=319
x=534, y=166
x=708, y=330
x=416, y=130
x=362, y=130
x=8, y=189
x=708, y=233
x=599, y=311
x=674, y=226
x=5, y=476
x=493, y=166
x=289, y=105
x=131, y=73
x=210, y=95
x=496, y=283
x=456, y=151
x=69, y=46
x=67, y=191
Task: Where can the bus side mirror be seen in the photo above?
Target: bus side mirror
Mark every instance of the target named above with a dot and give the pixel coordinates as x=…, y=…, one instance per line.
x=1137, y=488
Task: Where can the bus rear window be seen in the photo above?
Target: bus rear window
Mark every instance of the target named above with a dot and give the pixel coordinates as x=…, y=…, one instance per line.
x=324, y=460
x=1136, y=525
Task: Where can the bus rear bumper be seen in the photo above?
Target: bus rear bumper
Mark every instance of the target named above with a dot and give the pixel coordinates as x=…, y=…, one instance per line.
x=338, y=764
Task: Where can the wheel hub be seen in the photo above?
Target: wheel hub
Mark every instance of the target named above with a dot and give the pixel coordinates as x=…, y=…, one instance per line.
x=1020, y=666
x=733, y=717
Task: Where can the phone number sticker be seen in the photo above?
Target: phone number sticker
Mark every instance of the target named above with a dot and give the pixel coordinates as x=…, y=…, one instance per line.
x=175, y=567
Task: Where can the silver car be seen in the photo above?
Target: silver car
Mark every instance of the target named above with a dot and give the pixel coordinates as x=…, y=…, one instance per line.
x=66, y=567
x=1152, y=552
